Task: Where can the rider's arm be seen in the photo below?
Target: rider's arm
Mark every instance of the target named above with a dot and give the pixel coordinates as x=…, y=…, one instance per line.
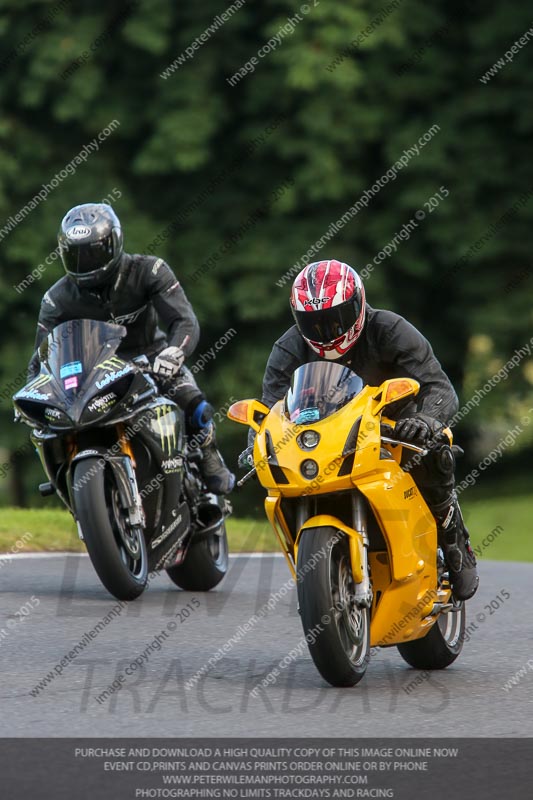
x=411, y=353
x=277, y=378
x=284, y=358
x=49, y=316
x=172, y=306
x=288, y=353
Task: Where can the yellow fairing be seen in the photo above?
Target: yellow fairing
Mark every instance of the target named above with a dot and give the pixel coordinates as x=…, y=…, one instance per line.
x=403, y=573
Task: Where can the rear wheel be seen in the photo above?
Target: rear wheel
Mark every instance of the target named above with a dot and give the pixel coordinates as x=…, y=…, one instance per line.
x=337, y=631
x=117, y=551
x=205, y=563
x=441, y=645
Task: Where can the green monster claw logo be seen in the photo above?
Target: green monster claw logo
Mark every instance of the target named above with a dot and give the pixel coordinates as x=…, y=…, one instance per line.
x=166, y=428
x=111, y=363
x=41, y=381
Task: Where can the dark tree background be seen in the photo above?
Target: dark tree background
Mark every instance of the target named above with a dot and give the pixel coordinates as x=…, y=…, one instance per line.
x=233, y=184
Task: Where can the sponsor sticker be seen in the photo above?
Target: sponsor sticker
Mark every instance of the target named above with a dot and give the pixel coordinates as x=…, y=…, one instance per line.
x=72, y=368
x=38, y=383
x=33, y=395
x=172, y=464
x=79, y=232
x=103, y=402
x=113, y=376
x=161, y=538
x=71, y=383
x=305, y=416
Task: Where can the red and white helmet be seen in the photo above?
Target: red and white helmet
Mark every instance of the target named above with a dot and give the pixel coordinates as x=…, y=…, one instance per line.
x=328, y=306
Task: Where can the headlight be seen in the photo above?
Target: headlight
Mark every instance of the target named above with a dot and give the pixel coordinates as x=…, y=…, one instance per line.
x=308, y=440
x=42, y=414
x=309, y=469
x=55, y=416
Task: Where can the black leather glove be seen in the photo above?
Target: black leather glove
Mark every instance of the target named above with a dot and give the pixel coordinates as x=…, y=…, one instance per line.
x=246, y=460
x=418, y=429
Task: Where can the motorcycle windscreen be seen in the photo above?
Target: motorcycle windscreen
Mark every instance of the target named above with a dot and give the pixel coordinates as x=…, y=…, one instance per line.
x=318, y=390
x=75, y=348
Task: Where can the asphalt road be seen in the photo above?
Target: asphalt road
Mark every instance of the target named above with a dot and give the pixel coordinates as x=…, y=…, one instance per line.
x=47, y=604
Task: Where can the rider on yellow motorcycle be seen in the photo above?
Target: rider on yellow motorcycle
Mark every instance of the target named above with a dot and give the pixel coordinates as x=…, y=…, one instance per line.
x=334, y=322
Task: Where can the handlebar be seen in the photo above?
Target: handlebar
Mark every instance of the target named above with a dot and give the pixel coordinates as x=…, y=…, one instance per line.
x=142, y=362
x=387, y=436
x=385, y=430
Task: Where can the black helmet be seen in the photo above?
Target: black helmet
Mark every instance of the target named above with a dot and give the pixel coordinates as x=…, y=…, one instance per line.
x=90, y=244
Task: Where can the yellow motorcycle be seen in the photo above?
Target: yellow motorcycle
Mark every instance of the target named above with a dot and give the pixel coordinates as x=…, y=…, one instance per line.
x=357, y=535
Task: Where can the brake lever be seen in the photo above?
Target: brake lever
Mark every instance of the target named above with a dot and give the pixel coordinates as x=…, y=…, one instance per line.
x=246, y=478
x=248, y=475
x=394, y=442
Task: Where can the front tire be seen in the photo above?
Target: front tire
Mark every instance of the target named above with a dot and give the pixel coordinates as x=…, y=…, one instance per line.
x=441, y=645
x=118, y=553
x=337, y=631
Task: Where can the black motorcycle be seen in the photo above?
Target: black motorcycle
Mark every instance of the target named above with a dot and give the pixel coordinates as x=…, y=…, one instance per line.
x=116, y=454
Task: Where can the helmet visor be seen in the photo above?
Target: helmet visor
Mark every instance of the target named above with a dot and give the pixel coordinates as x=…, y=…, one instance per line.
x=328, y=324
x=80, y=259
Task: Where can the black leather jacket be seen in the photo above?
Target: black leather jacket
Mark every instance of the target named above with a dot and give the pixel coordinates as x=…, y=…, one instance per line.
x=145, y=291
x=389, y=347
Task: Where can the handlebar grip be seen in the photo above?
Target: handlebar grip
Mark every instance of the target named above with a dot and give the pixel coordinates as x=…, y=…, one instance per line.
x=386, y=430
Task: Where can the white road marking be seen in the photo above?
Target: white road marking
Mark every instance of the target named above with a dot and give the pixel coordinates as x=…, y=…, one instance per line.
x=61, y=554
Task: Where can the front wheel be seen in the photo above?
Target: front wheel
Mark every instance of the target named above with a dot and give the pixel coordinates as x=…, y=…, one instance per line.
x=337, y=631
x=441, y=645
x=117, y=552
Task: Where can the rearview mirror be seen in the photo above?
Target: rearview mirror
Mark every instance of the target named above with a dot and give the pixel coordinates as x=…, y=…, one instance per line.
x=395, y=389
x=248, y=412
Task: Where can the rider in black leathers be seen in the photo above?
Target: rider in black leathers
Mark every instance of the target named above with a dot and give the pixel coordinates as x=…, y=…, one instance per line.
x=334, y=322
x=136, y=291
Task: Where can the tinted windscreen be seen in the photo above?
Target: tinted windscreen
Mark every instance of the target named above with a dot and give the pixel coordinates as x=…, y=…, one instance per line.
x=318, y=390
x=74, y=348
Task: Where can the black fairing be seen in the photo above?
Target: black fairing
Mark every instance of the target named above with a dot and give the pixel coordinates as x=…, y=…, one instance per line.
x=87, y=402
x=82, y=382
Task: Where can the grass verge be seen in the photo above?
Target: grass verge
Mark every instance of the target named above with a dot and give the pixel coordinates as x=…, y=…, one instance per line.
x=499, y=529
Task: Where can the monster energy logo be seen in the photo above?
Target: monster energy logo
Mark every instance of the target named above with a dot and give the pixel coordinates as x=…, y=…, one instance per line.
x=40, y=381
x=30, y=391
x=165, y=424
x=111, y=363
x=117, y=368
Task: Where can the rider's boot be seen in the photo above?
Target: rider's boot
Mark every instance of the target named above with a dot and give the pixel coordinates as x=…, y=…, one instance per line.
x=455, y=543
x=217, y=477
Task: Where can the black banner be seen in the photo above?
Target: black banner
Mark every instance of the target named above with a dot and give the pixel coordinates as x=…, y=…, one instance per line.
x=127, y=769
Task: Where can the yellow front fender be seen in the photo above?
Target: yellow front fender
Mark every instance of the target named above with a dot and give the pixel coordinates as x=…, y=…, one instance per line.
x=355, y=540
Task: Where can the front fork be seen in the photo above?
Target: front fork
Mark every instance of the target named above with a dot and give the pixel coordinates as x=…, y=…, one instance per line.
x=359, y=553
x=355, y=532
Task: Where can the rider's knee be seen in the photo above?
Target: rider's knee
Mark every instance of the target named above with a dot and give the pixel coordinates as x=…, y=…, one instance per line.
x=199, y=414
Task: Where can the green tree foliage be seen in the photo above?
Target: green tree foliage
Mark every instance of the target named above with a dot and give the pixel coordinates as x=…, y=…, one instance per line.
x=233, y=183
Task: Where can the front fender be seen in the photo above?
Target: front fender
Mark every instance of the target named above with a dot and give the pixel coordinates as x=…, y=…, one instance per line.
x=122, y=470
x=355, y=540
